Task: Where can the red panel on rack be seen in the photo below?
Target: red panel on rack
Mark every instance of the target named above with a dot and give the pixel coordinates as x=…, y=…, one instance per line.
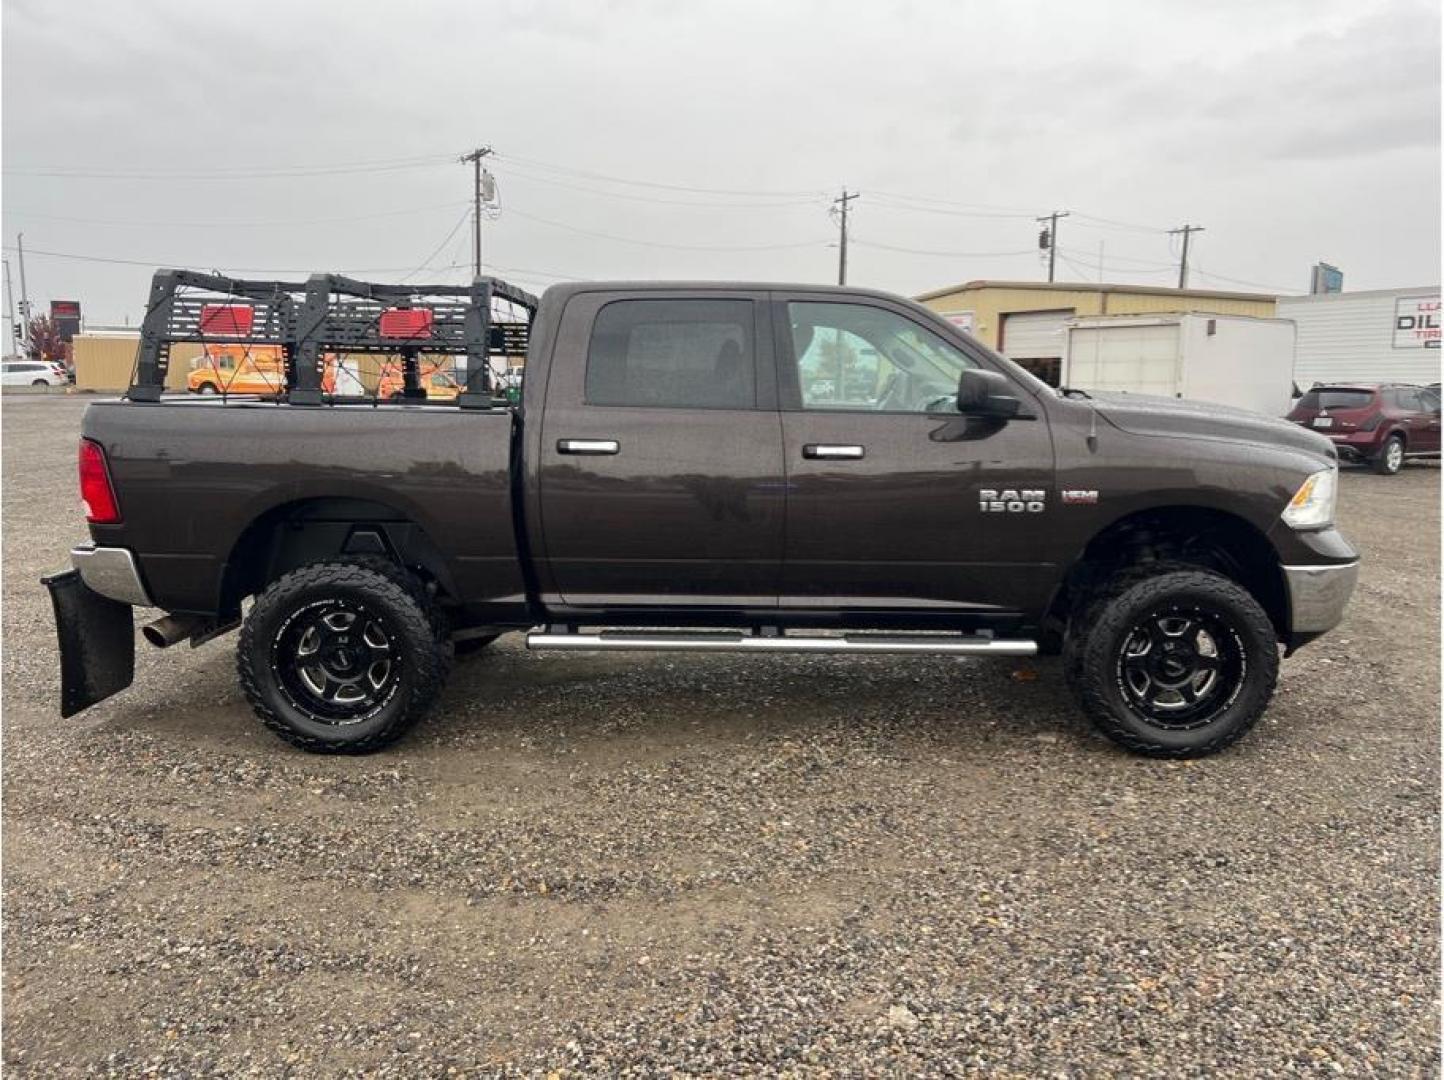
x=233, y=319
x=406, y=323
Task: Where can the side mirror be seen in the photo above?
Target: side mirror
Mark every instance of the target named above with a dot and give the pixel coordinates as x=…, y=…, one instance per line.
x=986, y=393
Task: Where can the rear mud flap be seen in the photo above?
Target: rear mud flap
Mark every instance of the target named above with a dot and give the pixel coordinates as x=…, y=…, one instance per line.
x=97, y=642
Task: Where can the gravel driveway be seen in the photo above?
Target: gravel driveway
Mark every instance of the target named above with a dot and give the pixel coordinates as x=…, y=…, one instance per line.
x=722, y=865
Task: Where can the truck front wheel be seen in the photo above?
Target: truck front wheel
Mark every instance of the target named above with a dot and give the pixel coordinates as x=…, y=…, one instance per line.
x=1180, y=664
x=343, y=657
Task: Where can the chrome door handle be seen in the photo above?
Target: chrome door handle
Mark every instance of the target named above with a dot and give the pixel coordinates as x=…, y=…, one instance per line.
x=833, y=451
x=588, y=446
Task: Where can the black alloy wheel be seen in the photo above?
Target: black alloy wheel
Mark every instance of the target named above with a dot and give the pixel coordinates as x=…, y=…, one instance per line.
x=1173, y=661
x=337, y=661
x=1181, y=666
x=343, y=656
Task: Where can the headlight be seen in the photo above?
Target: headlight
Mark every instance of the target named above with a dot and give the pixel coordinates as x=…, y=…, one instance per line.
x=1312, y=506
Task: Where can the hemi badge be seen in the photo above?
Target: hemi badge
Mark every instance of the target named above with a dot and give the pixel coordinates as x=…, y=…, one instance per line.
x=1079, y=496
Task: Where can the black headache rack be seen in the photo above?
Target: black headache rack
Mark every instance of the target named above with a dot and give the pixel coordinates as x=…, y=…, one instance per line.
x=307, y=325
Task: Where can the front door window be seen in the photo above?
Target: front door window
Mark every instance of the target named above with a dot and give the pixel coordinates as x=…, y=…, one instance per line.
x=855, y=357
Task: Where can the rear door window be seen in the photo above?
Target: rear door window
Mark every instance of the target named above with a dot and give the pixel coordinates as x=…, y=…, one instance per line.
x=673, y=354
x=1409, y=400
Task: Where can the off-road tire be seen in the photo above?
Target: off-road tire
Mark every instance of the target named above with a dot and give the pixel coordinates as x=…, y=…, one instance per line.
x=1087, y=608
x=418, y=628
x=1386, y=462
x=1112, y=618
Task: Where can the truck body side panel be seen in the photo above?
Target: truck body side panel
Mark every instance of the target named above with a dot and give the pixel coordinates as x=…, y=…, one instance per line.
x=191, y=476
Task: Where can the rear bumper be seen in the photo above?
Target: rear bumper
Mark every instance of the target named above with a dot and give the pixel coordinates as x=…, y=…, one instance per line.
x=1318, y=595
x=1354, y=451
x=111, y=572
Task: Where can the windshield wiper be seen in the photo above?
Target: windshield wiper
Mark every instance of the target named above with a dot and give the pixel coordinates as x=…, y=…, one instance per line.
x=1073, y=391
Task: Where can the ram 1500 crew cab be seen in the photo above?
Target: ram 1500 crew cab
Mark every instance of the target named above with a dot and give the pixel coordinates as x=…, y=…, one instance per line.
x=753, y=467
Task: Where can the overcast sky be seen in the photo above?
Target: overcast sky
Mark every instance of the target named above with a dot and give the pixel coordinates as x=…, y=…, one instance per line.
x=652, y=138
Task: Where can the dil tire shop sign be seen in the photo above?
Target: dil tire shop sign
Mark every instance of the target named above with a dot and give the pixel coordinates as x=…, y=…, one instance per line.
x=1416, y=322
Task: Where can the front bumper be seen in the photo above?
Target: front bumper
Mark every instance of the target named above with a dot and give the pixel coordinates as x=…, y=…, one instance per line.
x=1318, y=595
x=111, y=572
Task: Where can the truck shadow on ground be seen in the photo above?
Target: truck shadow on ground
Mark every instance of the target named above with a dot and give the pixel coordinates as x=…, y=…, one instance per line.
x=508, y=698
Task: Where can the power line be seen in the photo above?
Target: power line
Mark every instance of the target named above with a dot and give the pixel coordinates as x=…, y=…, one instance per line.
x=943, y=254
x=1284, y=290
x=446, y=240
x=291, y=224
x=1008, y=211
x=886, y=204
x=1125, y=225
x=180, y=265
x=707, y=204
x=661, y=244
x=567, y=171
x=287, y=172
x=1147, y=264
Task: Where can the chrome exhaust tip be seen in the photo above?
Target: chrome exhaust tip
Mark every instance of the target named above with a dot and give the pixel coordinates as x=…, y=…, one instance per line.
x=169, y=629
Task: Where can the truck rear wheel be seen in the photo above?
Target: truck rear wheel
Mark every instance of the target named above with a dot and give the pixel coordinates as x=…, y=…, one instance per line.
x=343, y=657
x=1179, y=664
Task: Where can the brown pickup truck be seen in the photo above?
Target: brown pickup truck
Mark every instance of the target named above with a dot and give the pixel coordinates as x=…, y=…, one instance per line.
x=694, y=467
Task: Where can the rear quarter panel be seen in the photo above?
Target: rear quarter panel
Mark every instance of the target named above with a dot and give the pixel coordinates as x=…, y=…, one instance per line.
x=192, y=475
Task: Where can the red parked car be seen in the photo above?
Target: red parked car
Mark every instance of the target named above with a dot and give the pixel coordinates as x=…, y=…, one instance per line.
x=1380, y=425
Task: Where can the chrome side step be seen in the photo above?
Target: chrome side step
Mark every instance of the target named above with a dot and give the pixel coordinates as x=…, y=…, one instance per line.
x=736, y=641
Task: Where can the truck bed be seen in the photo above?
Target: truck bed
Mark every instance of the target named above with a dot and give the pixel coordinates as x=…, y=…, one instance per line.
x=192, y=475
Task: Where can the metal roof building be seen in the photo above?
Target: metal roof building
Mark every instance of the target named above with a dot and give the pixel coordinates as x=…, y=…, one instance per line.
x=1025, y=320
x=1379, y=335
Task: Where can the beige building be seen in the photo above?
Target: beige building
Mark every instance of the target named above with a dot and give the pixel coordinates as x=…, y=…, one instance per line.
x=1025, y=320
x=104, y=362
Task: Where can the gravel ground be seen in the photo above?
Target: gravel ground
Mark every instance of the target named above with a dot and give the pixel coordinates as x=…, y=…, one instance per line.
x=720, y=865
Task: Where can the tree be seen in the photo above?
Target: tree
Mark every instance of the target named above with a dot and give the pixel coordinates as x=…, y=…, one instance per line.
x=45, y=343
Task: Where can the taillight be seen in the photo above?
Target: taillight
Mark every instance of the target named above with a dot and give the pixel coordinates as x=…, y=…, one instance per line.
x=96, y=492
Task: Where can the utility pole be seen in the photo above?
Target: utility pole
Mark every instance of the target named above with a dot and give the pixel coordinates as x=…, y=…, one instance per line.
x=1048, y=238
x=475, y=158
x=24, y=294
x=1187, y=231
x=841, y=204
x=9, y=311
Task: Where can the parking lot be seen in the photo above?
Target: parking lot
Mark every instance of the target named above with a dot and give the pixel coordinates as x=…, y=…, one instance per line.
x=809, y=864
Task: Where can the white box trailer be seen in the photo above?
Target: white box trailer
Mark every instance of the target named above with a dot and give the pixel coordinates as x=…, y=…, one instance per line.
x=1226, y=359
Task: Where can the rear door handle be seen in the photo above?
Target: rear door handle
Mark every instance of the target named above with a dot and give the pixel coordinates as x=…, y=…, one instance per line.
x=588, y=446
x=833, y=451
